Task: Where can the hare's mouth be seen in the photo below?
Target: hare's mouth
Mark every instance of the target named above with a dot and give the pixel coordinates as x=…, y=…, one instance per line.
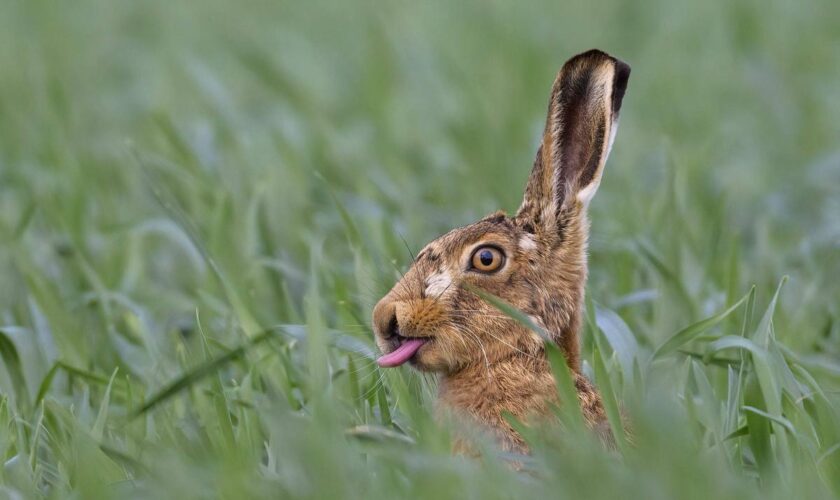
x=406, y=349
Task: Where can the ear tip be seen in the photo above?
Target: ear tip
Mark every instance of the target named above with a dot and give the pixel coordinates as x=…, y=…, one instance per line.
x=598, y=57
x=590, y=57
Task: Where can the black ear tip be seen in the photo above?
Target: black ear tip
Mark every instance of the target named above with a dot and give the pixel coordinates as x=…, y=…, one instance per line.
x=622, y=75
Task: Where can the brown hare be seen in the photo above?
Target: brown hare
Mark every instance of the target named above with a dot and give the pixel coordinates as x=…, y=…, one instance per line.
x=535, y=260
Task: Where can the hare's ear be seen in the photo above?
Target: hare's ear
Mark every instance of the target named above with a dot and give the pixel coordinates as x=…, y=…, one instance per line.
x=579, y=131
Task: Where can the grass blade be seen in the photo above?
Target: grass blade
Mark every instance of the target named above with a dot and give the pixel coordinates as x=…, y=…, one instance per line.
x=602, y=380
x=619, y=336
x=692, y=331
x=102, y=416
x=570, y=413
x=763, y=332
x=11, y=360
x=188, y=379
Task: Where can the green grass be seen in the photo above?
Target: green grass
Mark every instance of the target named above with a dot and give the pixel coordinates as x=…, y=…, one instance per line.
x=200, y=202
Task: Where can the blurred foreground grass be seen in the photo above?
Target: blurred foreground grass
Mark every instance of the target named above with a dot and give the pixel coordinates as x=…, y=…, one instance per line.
x=201, y=202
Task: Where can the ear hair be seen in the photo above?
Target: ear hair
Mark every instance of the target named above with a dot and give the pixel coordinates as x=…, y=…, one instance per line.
x=579, y=132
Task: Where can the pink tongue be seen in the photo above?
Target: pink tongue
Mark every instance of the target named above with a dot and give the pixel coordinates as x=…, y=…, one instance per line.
x=402, y=354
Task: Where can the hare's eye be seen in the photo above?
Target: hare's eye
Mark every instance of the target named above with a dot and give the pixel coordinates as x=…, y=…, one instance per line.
x=487, y=259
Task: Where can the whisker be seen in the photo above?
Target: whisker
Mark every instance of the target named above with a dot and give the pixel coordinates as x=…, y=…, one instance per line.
x=367, y=367
x=483, y=351
x=511, y=346
x=375, y=387
x=413, y=258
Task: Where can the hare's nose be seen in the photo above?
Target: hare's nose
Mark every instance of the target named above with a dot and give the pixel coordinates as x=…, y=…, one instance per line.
x=385, y=321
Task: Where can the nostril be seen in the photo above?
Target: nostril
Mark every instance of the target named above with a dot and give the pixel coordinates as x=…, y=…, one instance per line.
x=385, y=322
x=393, y=327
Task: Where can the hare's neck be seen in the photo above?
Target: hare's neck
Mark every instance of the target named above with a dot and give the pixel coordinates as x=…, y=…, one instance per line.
x=561, y=311
x=520, y=385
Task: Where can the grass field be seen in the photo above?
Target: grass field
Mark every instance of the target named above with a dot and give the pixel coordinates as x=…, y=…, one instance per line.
x=200, y=202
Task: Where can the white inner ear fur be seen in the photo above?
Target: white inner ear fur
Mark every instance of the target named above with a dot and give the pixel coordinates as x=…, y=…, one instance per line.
x=586, y=194
x=527, y=243
x=437, y=283
x=613, y=130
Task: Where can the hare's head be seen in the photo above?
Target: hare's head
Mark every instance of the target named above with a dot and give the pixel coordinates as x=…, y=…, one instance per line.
x=535, y=260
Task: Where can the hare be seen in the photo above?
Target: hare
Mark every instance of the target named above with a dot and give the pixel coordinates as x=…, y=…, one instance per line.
x=488, y=364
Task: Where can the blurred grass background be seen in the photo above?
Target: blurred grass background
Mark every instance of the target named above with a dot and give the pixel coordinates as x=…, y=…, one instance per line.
x=201, y=202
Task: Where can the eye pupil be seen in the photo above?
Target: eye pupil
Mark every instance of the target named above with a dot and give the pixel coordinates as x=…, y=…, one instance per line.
x=487, y=259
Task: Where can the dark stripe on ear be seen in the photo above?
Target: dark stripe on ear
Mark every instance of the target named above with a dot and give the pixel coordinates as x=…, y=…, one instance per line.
x=591, y=169
x=622, y=74
x=575, y=108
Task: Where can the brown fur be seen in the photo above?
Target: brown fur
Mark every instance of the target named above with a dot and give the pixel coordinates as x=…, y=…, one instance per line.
x=488, y=363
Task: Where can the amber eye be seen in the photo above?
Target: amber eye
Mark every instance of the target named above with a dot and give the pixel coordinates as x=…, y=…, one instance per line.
x=487, y=259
